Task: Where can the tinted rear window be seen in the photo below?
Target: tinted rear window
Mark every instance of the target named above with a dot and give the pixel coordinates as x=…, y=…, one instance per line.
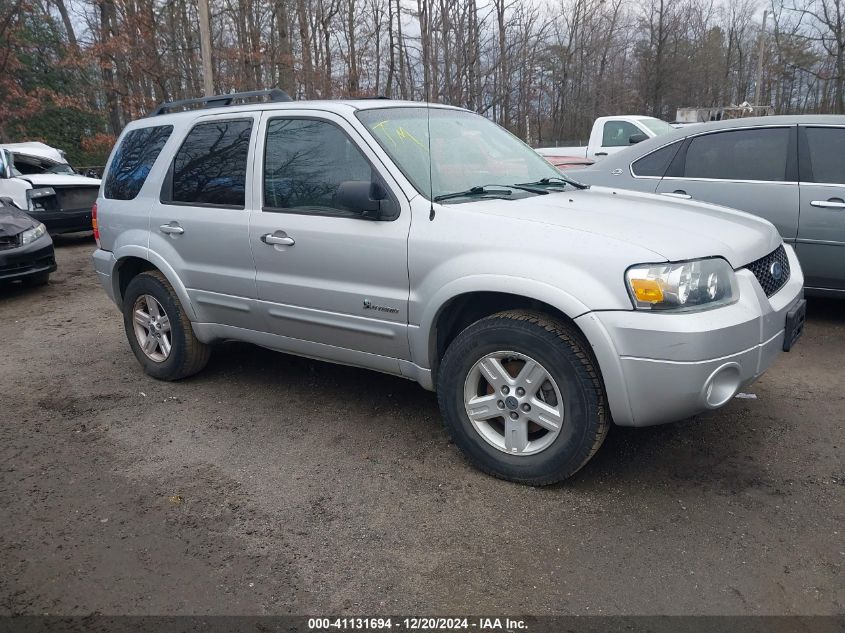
x=210, y=167
x=133, y=160
x=656, y=163
x=827, y=154
x=759, y=154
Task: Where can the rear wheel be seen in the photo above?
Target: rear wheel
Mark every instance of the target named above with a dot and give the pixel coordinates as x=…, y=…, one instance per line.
x=159, y=331
x=521, y=395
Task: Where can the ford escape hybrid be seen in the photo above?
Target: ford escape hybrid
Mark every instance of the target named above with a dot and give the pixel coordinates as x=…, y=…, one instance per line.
x=429, y=243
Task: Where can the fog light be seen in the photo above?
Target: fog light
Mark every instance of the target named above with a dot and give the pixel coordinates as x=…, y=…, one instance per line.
x=722, y=385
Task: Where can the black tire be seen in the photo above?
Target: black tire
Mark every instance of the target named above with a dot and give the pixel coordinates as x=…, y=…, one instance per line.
x=566, y=356
x=187, y=354
x=40, y=279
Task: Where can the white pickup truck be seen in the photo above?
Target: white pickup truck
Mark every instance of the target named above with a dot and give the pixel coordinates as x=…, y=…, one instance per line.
x=611, y=134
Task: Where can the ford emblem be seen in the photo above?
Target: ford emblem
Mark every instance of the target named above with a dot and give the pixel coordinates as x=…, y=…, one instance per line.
x=776, y=270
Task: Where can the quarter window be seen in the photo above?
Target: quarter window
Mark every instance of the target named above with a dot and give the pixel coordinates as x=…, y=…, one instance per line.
x=618, y=133
x=759, y=154
x=133, y=160
x=827, y=154
x=210, y=167
x=305, y=161
x=656, y=163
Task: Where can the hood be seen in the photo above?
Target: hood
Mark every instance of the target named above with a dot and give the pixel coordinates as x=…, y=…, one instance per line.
x=36, y=149
x=14, y=221
x=60, y=180
x=673, y=229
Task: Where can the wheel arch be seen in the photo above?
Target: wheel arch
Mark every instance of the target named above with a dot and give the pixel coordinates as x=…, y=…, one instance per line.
x=131, y=264
x=467, y=300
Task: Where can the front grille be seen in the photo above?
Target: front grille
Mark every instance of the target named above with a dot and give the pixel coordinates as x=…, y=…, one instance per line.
x=763, y=269
x=74, y=198
x=9, y=241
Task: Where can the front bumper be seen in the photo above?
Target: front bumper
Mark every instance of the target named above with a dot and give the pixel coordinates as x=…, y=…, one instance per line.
x=65, y=221
x=24, y=261
x=666, y=367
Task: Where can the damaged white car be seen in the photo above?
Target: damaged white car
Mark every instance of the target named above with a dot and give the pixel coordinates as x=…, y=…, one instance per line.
x=39, y=180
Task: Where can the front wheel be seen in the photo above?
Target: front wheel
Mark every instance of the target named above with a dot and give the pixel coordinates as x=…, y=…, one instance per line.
x=521, y=395
x=159, y=331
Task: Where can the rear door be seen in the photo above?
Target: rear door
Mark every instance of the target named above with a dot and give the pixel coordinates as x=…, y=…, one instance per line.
x=200, y=223
x=326, y=275
x=821, y=232
x=750, y=169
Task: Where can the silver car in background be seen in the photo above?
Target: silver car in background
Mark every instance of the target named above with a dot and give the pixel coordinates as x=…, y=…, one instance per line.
x=789, y=170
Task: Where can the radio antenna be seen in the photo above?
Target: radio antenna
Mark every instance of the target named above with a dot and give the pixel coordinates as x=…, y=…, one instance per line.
x=430, y=170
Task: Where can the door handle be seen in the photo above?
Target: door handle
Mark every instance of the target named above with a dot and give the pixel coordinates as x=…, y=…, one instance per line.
x=678, y=193
x=171, y=229
x=600, y=154
x=833, y=203
x=278, y=240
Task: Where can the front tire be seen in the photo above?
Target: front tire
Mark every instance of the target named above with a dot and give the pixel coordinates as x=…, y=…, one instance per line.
x=159, y=331
x=522, y=397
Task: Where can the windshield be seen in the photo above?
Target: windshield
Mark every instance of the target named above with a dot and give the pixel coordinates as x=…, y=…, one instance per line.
x=657, y=126
x=467, y=150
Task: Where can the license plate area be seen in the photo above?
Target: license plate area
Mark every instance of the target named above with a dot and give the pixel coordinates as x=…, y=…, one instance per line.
x=795, y=319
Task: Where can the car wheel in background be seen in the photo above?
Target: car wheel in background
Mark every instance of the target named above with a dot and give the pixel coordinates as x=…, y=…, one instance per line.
x=521, y=395
x=158, y=330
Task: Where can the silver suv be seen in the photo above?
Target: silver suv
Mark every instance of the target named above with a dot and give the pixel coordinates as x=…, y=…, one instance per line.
x=429, y=243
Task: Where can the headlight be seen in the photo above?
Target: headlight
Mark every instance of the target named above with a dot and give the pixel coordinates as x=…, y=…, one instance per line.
x=35, y=197
x=692, y=285
x=30, y=235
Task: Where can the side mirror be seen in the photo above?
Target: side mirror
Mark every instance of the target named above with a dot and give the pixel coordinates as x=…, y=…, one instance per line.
x=368, y=198
x=637, y=138
x=6, y=163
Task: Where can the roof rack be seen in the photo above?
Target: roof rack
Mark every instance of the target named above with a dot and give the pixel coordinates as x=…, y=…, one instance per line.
x=220, y=101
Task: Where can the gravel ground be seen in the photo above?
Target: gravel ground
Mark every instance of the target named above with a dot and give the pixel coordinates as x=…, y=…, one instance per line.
x=270, y=484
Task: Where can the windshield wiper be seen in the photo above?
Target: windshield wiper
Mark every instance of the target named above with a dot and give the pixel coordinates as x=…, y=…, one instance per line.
x=555, y=180
x=502, y=190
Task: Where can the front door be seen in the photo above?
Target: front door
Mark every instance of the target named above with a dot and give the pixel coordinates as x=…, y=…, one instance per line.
x=200, y=224
x=325, y=274
x=821, y=232
x=750, y=169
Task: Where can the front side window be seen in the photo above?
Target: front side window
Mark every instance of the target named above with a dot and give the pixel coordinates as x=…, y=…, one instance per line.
x=656, y=163
x=827, y=154
x=658, y=126
x=305, y=161
x=466, y=150
x=133, y=160
x=619, y=133
x=210, y=167
x=757, y=154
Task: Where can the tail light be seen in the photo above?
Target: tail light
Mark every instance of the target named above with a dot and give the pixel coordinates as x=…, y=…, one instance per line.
x=94, y=224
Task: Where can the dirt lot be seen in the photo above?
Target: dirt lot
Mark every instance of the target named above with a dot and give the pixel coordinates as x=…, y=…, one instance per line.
x=270, y=484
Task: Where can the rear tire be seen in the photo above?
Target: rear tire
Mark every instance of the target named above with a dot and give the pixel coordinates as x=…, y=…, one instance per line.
x=556, y=417
x=159, y=331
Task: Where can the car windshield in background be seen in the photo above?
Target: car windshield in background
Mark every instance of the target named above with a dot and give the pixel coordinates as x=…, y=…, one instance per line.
x=657, y=126
x=467, y=152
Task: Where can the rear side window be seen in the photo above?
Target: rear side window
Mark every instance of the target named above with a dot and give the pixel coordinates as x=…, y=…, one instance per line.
x=827, y=154
x=133, y=161
x=656, y=163
x=759, y=154
x=210, y=167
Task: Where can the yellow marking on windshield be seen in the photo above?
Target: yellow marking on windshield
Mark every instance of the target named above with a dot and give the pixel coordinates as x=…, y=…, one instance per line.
x=403, y=134
x=383, y=128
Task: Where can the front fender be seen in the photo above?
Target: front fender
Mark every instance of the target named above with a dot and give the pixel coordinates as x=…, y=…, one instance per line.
x=422, y=351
